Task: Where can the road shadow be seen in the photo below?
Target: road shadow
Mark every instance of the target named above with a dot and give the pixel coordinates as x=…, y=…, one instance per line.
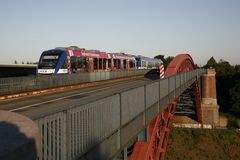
x=14, y=145
x=153, y=74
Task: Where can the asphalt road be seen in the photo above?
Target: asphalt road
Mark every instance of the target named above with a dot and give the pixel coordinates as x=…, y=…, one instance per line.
x=36, y=105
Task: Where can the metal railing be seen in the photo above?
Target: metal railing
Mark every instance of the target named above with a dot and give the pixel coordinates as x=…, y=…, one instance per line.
x=101, y=128
x=31, y=83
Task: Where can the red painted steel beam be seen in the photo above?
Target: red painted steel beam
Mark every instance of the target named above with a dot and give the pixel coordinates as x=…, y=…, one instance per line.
x=157, y=146
x=159, y=128
x=181, y=63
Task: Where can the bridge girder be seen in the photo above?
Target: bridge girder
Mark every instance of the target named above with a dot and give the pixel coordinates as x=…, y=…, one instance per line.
x=159, y=128
x=181, y=63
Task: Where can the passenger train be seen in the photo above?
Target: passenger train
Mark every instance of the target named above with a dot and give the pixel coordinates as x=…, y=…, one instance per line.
x=72, y=60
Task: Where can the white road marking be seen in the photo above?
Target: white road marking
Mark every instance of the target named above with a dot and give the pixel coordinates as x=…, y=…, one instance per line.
x=57, y=99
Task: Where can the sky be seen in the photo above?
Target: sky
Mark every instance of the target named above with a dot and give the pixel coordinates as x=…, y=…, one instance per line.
x=201, y=28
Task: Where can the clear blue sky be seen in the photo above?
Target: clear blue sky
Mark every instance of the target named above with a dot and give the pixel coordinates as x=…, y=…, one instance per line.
x=202, y=28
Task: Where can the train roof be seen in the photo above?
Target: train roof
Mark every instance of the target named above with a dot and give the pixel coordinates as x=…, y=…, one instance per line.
x=74, y=48
x=96, y=53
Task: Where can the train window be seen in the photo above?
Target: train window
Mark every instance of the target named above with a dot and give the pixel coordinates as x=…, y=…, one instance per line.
x=95, y=63
x=150, y=64
x=64, y=66
x=100, y=63
x=138, y=62
x=144, y=64
x=79, y=62
x=115, y=63
x=131, y=63
x=109, y=63
x=84, y=62
x=104, y=63
x=118, y=64
x=49, y=60
x=73, y=61
x=124, y=64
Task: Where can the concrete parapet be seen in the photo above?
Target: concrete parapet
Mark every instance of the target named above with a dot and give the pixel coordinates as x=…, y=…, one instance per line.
x=19, y=137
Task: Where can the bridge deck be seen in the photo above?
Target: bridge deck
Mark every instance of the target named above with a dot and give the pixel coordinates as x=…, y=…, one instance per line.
x=37, y=105
x=98, y=121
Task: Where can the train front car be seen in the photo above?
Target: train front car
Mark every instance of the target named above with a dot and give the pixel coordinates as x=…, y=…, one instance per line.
x=53, y=62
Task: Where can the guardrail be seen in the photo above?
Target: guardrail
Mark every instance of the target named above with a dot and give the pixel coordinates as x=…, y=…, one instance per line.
x=25, y=84
x=101, y=128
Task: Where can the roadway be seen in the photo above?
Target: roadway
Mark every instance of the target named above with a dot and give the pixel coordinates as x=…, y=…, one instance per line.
x=34, y=106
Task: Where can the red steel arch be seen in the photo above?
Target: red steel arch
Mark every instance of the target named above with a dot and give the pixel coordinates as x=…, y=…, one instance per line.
x=181, y=63
x=159, y=128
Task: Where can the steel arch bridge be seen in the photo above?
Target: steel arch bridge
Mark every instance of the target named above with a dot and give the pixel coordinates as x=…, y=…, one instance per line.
x=159, y=127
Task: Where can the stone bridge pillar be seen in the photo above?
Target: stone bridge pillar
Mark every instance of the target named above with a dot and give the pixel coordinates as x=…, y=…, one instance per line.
x=210, y=113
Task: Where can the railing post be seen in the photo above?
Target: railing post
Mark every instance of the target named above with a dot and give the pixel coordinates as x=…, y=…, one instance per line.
x=175, y=78
x=120, y=132
x=66, y=135
x=145, y=105
x=168, y=90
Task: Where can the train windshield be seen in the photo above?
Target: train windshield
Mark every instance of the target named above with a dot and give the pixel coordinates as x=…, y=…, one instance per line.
x=49, y=60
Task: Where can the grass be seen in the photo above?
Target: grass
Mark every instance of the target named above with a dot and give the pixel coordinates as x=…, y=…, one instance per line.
x=203, y=144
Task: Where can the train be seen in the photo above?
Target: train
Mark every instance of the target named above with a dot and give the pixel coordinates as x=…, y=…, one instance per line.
x=71, y=60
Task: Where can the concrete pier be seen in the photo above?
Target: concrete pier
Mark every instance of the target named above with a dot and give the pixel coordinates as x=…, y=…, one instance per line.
x=210, y=108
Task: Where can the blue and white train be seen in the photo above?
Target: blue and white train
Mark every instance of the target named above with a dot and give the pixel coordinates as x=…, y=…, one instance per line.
x=72, y=60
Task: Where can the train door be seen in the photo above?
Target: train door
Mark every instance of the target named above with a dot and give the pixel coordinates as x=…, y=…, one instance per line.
x=79, y=64
x=119, y=64
x=114, y=63
x=144, y=65
x=90, y=64
x=100, y=63
x=85, y=61
x=104, y=64
x=109, y=64
x=69, y=65
x=73, y=64
x=138, y=63
x=131, y=64
x=124, y=64
x=95, y=64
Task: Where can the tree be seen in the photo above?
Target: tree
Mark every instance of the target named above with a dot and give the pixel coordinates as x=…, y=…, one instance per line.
x=223, y=68
x=235, y=99
x=211, y=63
x=161, y=57
x=168, y=60
x=165, y=61
x=15, y=62
x=237, y=68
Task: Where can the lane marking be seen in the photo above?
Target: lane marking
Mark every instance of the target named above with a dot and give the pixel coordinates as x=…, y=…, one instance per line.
x=72, y=87
x=57, y=99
